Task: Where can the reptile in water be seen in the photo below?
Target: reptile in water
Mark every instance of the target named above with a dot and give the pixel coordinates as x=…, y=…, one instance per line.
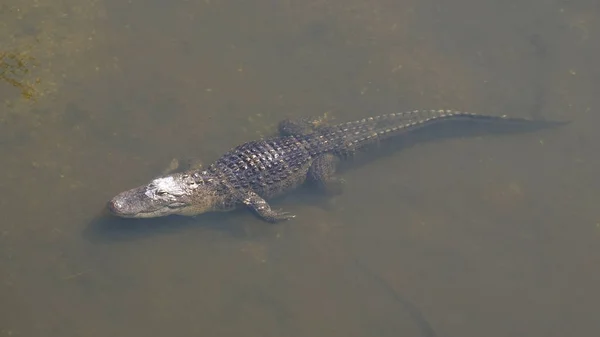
x=254, y=172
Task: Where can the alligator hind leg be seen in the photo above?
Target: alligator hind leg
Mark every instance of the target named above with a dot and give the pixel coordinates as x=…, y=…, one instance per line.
x=263, y=210
x=322, y=172
x=301, y=126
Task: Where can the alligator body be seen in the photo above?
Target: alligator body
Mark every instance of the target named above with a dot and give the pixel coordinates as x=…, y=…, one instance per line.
x=254, y=172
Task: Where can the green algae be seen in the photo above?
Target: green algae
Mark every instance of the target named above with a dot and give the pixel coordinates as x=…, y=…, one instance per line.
x=42, y=44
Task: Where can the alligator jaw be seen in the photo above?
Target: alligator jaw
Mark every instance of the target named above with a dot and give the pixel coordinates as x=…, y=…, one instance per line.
x=135, y=204
x=185, y=194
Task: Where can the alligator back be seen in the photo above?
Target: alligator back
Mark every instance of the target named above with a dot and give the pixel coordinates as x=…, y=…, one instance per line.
x=268, y=167
x=272, y=166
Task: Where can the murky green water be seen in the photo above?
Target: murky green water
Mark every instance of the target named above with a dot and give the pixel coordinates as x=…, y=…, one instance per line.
x=486, y=236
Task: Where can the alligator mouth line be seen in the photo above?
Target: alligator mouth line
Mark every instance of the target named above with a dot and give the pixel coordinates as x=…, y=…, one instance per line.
x=116, y=210
x=141, y=214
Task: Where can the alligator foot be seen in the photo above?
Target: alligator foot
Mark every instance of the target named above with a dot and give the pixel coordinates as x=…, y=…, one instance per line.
x=263, y=210
x=173, y=166
x=322, y=172
x=176, y=165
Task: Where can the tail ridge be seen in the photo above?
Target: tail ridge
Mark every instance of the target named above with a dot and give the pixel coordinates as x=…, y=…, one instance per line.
x=389, y=125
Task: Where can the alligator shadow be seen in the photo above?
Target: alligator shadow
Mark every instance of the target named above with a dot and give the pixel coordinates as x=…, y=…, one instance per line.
x=106, y=228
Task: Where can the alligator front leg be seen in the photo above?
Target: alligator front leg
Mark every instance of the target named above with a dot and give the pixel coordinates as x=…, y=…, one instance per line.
x=322, y=172
x=263, y=210
x=173, y=166
x=176, y=165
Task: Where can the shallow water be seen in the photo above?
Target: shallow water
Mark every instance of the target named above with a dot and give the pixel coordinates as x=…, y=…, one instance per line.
x=484, y=236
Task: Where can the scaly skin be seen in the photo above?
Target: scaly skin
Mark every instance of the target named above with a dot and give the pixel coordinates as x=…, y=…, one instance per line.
x=256, y=171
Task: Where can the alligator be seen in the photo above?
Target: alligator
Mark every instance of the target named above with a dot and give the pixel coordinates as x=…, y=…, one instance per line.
x=306, y=150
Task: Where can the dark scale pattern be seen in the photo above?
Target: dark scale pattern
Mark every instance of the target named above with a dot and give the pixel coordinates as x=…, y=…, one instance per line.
x=259, y=165
x=274, y=166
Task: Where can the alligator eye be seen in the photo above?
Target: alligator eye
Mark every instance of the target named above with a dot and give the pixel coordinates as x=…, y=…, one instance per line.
x=161, y=193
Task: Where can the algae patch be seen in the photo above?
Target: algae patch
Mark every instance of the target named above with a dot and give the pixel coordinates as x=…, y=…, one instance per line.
x=42, y=44
x=14, y=68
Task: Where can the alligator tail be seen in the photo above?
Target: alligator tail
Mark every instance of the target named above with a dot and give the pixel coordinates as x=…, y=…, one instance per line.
x=375, y=129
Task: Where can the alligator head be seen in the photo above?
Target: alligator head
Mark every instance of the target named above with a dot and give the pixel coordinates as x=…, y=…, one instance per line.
x=180, y=193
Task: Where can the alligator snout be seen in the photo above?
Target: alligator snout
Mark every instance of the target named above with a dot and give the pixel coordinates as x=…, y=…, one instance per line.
x=114, y=206
x=120, y=206
x=128, y=204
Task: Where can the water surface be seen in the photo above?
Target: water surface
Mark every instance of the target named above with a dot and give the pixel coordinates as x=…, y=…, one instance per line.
x=485, y=236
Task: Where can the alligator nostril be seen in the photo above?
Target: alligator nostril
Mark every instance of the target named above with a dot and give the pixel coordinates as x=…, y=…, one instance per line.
x=113, y=206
